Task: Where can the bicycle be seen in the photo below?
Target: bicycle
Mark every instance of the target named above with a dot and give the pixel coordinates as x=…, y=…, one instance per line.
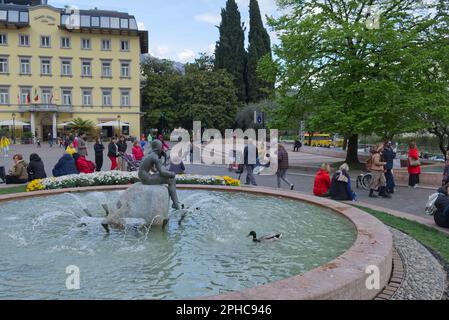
x=364, y=181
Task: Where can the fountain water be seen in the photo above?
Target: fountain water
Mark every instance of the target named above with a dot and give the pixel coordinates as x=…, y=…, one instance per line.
x=208, y=255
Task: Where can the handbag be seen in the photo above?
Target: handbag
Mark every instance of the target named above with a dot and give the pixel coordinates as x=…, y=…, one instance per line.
x=414, y=162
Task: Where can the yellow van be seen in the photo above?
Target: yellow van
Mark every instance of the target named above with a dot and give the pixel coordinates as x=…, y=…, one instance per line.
x=318, y=140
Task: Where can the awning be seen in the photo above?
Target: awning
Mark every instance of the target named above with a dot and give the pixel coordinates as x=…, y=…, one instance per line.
x=113, y=124
x=13, y=123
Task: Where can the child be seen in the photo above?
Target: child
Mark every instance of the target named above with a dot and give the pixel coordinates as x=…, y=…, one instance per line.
x=38, y=141
x=137, y=151
x=71, y=149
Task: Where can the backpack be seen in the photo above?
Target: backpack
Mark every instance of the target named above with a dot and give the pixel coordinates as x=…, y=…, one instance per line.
x=431, y=209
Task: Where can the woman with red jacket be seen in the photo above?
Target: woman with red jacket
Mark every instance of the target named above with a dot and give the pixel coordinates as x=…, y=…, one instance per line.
x=137, y=151
x=83, y=165
x=414, y=166
x=322, y=183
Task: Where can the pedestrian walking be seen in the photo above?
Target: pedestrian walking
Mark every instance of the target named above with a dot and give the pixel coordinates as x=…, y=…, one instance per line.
x=50, y=140
x=122, y=147
x=414, y=165
x=99, y=150
x=82, y=146
x=377, y=168
x=388, y=156
x=283, y=167
x=298, y=145
x=113, y=153
x=249, y=156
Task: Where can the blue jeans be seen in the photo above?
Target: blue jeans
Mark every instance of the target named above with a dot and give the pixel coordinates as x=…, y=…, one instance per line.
x=390, y=181
x=249, y=175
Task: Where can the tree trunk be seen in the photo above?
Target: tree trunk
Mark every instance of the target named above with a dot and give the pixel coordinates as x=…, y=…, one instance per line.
x=352, y=156
x=345, y=143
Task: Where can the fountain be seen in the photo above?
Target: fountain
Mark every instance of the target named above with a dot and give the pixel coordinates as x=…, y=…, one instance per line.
x=325, y=248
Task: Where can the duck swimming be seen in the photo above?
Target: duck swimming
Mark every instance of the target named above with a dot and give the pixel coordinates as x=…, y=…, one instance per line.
x=269, y=237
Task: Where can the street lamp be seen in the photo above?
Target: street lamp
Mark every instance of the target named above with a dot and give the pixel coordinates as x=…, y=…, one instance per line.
x=119, y=127
x=14, y=128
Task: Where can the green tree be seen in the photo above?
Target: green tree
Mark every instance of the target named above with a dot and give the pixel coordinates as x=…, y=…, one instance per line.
x=259, y=46
x=353, y=77
x=208, y=96
x=81, y=125
x=160, y=93
x=230, y=53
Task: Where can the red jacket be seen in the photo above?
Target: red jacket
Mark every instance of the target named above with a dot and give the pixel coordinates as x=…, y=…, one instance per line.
x=137, y=153
x=322, y=183
x=85, y=166
x=413, y=153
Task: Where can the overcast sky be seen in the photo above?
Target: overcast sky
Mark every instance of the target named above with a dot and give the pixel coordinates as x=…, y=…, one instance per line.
x=178, y=29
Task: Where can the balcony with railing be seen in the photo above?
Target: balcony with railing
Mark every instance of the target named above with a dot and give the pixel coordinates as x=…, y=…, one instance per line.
x=45, y=108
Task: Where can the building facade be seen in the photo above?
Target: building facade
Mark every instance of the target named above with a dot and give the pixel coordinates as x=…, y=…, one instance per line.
x=60, y=64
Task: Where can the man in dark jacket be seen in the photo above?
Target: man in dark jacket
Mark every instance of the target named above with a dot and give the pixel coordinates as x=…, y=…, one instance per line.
x=36, y=169
x=99, y=150
x=388, y=156
x=65, y=166
x=442, y=204
x=250, y=159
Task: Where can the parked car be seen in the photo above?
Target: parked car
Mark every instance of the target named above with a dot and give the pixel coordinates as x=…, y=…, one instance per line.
x=439, y=158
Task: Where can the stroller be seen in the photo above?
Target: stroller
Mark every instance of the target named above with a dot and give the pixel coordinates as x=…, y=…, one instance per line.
x=132, y=164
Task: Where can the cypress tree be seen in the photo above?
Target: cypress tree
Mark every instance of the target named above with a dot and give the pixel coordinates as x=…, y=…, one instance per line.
x=230, y=53
x=259, y=46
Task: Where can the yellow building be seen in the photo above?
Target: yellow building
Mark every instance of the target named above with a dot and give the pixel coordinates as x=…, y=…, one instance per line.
x=61, y=64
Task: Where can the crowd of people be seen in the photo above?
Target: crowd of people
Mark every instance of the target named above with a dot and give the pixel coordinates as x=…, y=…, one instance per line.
x=336, y=186
x=74, y=160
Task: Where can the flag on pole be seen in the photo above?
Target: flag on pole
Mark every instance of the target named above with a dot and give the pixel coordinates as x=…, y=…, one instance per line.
x=36, y=95
x=18, y=98
x=29, y=97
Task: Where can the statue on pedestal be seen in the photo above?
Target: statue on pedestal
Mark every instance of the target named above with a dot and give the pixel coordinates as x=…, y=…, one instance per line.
x=153, y=163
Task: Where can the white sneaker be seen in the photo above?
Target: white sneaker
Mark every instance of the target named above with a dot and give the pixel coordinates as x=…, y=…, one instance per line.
x=416, y=186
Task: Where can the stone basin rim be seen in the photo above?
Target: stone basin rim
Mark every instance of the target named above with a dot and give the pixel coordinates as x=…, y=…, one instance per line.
x=344, y=278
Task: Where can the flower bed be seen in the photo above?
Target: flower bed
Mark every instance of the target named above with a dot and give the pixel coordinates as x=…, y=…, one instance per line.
x=109, y=178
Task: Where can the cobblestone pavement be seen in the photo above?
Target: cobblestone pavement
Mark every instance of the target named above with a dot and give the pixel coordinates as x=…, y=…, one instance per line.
x=425, y=278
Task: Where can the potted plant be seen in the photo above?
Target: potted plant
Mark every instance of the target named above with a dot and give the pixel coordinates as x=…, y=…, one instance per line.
x=27, y=138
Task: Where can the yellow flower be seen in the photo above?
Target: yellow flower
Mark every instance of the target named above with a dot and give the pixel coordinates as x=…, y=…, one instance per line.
x=35, y=185
x=231, y=181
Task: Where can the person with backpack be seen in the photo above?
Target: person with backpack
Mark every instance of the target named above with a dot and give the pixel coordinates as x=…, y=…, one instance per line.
x=377, y=169
x=441, y=215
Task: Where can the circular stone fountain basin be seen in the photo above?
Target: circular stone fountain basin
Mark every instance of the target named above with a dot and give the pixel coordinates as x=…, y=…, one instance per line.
x=208, y=254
